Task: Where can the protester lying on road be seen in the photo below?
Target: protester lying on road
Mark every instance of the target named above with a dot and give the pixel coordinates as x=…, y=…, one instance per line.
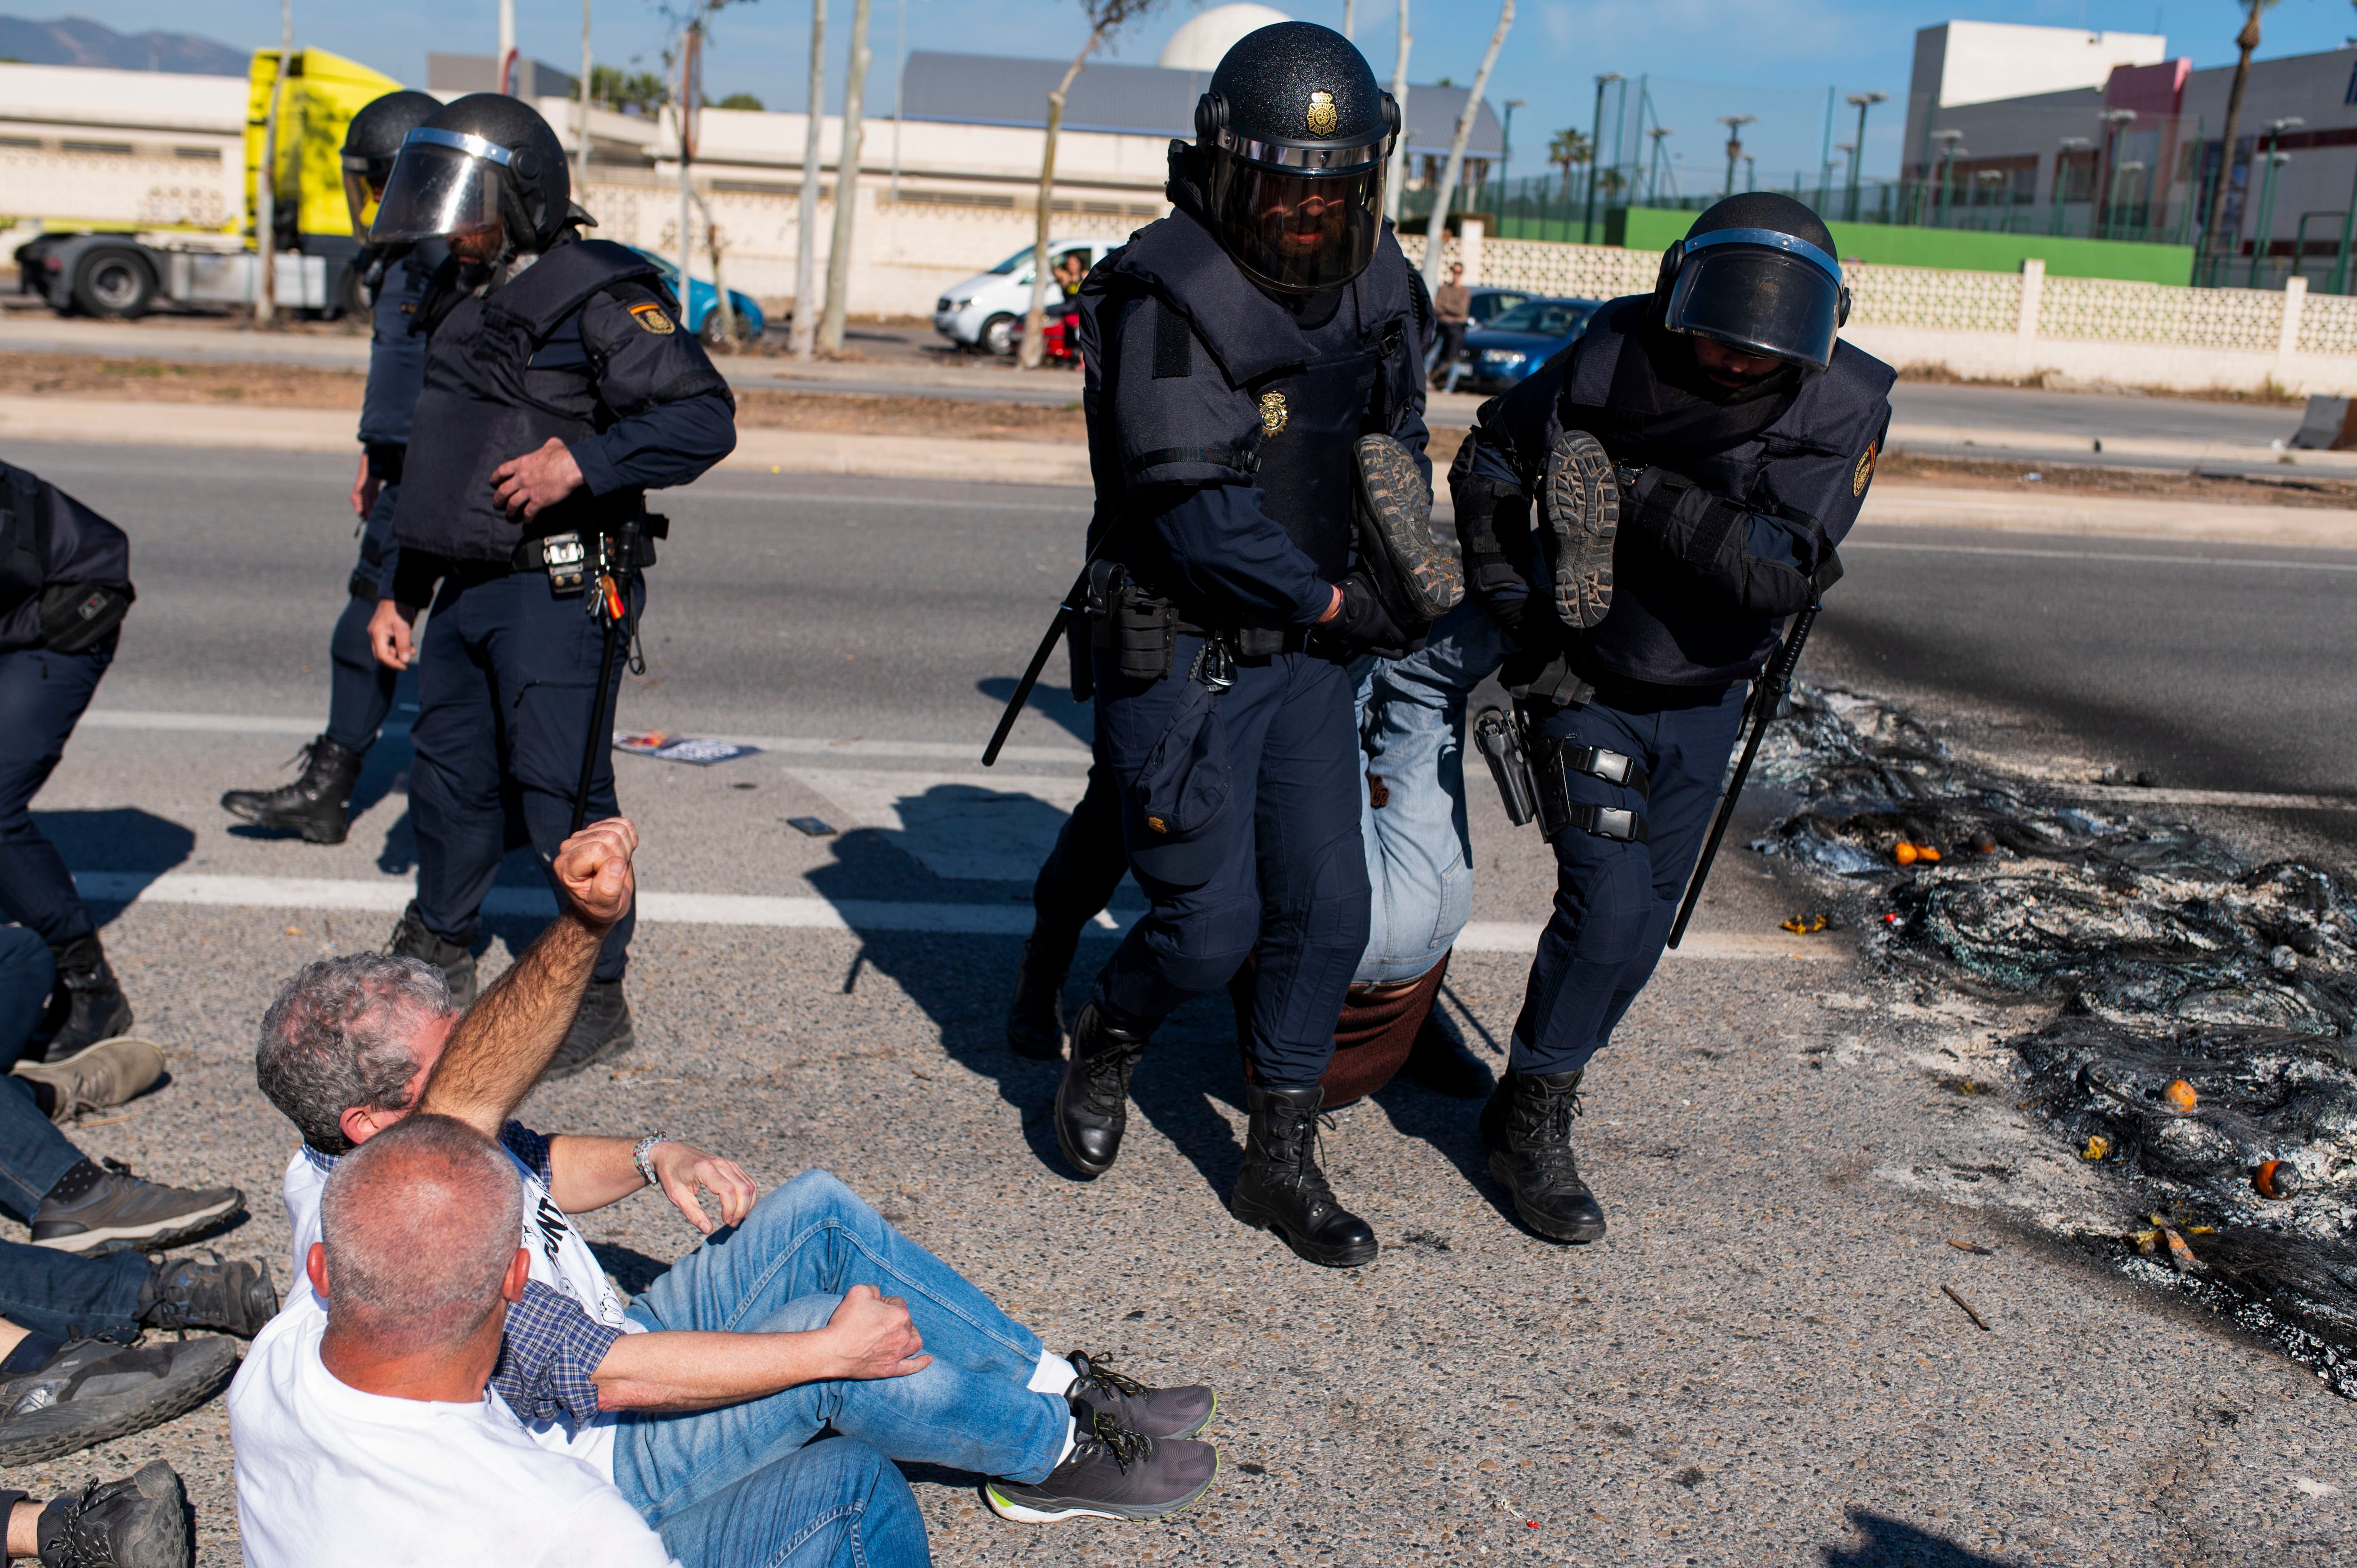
x=354, y=1046
x=139, y=1521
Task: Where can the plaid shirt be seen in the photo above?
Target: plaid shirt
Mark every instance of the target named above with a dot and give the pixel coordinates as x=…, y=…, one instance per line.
x=549, y=1351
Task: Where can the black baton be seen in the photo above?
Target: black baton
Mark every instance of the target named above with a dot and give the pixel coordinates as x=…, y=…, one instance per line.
x=1767, y=697
x=1064, y=614
x=600, y=735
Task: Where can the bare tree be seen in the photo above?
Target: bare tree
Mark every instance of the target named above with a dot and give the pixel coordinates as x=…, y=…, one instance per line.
x=1104, y=17
x=2246, y=41
x=805, y=339
x=1396, y=176
x=846, y=187
x=1435, y=231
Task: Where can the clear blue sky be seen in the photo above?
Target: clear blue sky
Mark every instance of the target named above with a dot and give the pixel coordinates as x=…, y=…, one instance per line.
x=1705, y=57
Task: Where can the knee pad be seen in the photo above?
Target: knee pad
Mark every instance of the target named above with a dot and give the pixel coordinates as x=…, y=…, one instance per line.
x=1340, y=906
x=1199, y=945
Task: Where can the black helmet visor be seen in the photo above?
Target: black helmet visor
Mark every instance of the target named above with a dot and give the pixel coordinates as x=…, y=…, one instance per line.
x=444, y=185
x=1761, y=291
x=1299, y=220
x=364, y=181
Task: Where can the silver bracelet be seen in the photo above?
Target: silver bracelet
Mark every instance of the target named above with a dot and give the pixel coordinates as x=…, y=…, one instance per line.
x=638, y=1153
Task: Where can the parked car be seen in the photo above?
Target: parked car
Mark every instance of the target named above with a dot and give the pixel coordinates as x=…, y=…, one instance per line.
x=986, y=312
x=704, y=303
x=1517, y=341
x=1488, y=304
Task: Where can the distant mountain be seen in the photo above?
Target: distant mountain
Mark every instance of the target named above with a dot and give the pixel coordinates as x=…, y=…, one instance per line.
x=77, y=40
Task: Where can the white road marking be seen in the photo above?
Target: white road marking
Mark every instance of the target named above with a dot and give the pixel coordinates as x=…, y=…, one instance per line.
x=2284, y=565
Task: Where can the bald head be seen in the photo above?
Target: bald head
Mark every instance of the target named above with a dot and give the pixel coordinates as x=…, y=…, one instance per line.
x=420, y=1224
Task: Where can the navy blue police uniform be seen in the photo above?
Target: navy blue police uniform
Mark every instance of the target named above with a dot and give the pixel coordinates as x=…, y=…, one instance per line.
x=585, y=346
x=1780, y=472
x=1222, y=424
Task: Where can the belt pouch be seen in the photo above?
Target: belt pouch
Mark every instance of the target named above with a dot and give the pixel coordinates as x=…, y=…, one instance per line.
x=1146, y=628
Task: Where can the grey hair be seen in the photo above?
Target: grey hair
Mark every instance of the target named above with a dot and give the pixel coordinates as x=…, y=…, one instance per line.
x=420, y=1223
x=338, y=1038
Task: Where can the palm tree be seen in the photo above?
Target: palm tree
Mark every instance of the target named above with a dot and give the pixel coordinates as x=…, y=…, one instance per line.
x=2246, y=41
x=1567, y=149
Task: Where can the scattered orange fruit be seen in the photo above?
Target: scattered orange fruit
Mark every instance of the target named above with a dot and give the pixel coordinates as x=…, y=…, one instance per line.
x=1925, y=852
x=1905, y=854
x=2275, y=1180
x=2180, y=1095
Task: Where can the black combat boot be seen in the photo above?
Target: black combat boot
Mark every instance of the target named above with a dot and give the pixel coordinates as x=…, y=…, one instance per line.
x=1441, y=1062
x=455, y=960
x=87, y=1003
x=1282, y=1189
x=1093, y=1101
x=1528, y=1126
x=1035, y=1019
x=316, y=805
x=601, y=1031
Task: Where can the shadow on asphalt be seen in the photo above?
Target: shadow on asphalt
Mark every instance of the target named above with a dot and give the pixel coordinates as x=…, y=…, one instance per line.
x=1054, y=702
x=1894, y=1543
x=119, y=839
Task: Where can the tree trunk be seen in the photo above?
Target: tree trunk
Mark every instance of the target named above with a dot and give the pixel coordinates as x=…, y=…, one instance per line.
x=683, y=115
x=806, y=338
x=728, y=329
x=1435, y=232
x=1035, y=320
x=1396, y=176
x=846, y=187
x=2247, y=40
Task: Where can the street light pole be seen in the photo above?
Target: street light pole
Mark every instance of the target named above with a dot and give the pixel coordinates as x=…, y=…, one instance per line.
x=2061, y=166
x=1947, y=166
x=1862, y=101
x=1733, y=124
x=2113, y=122
x=1595, y=157
x=2263, y=234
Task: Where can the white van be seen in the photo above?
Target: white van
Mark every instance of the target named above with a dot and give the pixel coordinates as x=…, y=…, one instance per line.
x=986, y=311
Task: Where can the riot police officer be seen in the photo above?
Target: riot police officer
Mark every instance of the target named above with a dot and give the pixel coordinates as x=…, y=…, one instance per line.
x=1236, y=351
x=318, y=804
x=560, y=387
x=65, y=585
x=1638, y=517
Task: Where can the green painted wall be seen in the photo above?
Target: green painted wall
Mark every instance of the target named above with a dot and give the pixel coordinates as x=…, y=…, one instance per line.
x=1653, y=228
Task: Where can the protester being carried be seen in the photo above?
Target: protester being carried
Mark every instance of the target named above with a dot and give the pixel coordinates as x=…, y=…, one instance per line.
x=355, y=1045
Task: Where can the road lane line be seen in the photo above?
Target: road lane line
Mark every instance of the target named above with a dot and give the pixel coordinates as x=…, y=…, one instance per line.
x=1855, y=544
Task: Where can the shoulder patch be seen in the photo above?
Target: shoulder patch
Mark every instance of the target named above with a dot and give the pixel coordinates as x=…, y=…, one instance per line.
x=1863, y=472
x=650, y=316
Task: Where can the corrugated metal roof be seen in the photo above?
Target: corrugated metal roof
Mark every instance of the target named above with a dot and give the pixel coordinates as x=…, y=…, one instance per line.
x=1133, y=100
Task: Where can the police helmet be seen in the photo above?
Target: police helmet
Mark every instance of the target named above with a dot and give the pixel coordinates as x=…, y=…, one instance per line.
x=1756, y=273
x=481, y=160
x=370, y=143
x=1293, y=134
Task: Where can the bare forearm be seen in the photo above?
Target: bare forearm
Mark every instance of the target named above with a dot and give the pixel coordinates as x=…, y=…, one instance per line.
x=590, y=1173
x=688, y=1370
x=24, y=1530
x=498, y=1049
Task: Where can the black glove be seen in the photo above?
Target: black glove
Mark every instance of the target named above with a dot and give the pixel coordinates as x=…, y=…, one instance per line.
x=1712, y=536
x=1363, y=622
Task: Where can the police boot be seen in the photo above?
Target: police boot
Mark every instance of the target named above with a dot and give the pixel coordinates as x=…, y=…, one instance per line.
x=1093, y=1101
x=411, y=940
x=318, y=805
x=1281, y=1187
x=1035, y=1019
x=601, y=1031
x=87, y=1003
x=1528, y=1126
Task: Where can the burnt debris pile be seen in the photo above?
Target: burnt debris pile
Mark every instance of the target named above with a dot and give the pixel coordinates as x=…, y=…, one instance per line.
x=2205, y=1048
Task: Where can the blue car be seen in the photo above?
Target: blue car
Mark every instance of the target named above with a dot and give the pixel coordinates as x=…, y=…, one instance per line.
x=704, y=301
x=1511, y=344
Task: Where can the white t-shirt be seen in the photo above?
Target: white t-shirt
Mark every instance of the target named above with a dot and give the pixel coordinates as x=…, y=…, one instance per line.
x=561, y=1260
x=329, y=1474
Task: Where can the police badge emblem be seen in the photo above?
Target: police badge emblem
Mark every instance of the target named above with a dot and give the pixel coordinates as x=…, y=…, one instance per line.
x=1863, y=472
x=1323, y=117
x=1271, y=413
x=650, y=316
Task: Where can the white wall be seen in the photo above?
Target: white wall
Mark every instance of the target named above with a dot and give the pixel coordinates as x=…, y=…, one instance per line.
x=1984, y=61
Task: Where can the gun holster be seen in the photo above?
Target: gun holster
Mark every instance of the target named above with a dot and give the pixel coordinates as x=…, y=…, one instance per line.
x=1554, y=761
x=1499, y=738
x=1136, y=625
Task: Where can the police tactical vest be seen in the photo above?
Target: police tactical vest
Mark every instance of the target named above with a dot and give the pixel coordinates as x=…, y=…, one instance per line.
x=485, y=403
x=397, y=351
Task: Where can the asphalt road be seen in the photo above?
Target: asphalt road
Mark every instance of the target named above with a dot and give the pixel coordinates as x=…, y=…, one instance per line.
x=1756, y=1365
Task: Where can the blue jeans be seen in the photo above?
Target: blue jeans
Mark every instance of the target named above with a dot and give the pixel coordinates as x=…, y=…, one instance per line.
x=42, y=695
x=1419, y=853
x=837, y=1504
x=26, y=972
x=783, y=1272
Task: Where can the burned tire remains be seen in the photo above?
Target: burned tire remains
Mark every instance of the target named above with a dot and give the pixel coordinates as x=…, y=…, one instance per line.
x=2205, y=1046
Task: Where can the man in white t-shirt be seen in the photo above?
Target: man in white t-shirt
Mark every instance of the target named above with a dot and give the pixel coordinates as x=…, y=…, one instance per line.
x=355, y=1045
x=368, y=1434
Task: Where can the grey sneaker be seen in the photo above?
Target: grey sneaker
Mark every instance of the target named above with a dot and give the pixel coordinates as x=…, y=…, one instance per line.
x=1114, y=1473
x=124, y=1211
x=94, y=1390
x=1579, y=500
x=99, y=1075
x=1156, y=1413
x=203, y=1290
x=140, y=1522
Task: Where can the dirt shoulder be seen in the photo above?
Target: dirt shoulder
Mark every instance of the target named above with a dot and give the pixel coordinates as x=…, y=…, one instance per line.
x=1900, y=466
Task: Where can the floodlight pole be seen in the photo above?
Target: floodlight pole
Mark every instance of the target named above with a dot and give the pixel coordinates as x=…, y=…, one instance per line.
x=1595, y=157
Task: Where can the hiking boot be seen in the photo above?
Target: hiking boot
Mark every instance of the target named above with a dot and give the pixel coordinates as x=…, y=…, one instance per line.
x=201, y=1289
x=1579, y=501
x=1112, y=1473
x=1528, y=1126
x=1281, y=1187
x=1093, y=1101
x=1441, y=1062
x=1035, y=1019
x=600, y=1032
x=96, y=1077
x=455, y=960
x=316, y=805
x=1159, y=1413
x=87, y=1004
x=119, y=1210
x=140, y=1522
x=94, y=1390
